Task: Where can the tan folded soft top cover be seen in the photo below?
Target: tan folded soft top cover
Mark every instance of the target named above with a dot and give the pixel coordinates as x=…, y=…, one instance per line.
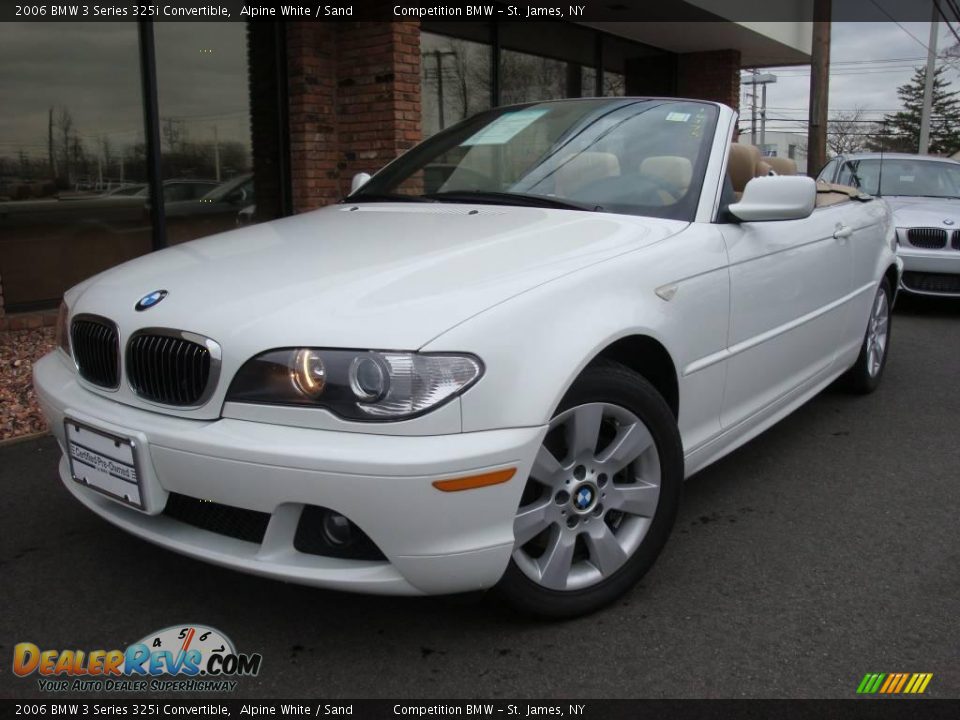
x=831, y=193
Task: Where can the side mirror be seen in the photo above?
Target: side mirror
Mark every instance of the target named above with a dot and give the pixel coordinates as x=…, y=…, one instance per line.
x=359, y=180
x=776, y=197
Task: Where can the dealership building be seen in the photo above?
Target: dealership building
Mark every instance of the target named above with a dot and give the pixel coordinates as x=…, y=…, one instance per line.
x=119, y=138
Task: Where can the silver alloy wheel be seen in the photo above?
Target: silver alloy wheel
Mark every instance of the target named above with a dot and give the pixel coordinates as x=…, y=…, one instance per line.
x=877, y=333
x=585, y=514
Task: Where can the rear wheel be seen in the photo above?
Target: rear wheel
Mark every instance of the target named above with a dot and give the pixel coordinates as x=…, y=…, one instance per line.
x=601, y=497
x=865, y=375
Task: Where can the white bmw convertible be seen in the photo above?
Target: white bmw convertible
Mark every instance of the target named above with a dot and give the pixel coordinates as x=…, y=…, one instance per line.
x=491, y=366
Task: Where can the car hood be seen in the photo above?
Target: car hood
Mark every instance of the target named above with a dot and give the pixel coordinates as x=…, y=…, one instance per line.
x=924, y=212
x=386, y=275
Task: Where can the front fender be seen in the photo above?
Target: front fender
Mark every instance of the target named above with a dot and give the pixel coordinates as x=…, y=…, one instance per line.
x=535, y=345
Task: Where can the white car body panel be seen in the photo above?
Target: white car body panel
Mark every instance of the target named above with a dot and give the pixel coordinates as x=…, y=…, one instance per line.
x=755, y=318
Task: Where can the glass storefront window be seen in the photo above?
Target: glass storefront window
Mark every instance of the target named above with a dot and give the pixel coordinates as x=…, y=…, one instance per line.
x=204, y=107
x=455, y=80
x=72, y=157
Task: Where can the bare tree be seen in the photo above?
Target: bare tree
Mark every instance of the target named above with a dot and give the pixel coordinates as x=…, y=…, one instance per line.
x=845, y=132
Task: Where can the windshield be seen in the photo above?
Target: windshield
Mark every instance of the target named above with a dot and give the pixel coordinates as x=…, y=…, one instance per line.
x=905, y=177
x=642, y=157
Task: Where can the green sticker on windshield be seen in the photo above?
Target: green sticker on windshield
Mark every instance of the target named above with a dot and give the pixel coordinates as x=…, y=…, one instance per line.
x=504, y=127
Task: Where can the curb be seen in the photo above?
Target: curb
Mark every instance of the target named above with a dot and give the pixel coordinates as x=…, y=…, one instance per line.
x=23, y=438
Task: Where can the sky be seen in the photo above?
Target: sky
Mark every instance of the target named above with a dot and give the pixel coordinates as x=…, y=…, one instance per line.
x=869, y=60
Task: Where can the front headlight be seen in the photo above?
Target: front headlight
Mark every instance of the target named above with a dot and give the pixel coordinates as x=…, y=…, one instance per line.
x=63, y=332
x=366, y=385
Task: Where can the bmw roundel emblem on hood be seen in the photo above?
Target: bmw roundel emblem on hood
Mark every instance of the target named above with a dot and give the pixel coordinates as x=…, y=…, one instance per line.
x=948, y=221
x=148, y=301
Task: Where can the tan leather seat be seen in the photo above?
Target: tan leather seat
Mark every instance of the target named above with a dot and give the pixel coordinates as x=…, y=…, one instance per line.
x=673, y=170
x=583, y=169
x=742, y=166
x=782, y=166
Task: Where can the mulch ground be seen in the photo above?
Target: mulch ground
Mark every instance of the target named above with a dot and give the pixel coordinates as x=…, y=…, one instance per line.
x=19, y=414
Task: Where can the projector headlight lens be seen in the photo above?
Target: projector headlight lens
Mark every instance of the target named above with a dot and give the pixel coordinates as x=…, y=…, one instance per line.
x=365, y=385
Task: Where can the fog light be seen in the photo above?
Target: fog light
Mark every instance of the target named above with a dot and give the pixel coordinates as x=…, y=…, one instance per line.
x=368, y=379
x=309, y=375
x=337, y=530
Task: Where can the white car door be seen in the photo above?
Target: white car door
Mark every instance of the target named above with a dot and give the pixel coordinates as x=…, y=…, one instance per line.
x=788, y=316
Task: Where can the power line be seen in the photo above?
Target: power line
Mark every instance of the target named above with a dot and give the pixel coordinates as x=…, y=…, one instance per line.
x=894, y=20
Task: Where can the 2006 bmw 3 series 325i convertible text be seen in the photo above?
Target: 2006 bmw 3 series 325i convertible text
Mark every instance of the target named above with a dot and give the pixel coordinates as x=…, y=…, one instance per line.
x=491, y=366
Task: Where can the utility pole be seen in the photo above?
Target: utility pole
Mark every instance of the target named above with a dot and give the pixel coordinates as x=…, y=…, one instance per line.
x=819, y=87
x=762, y=80
x=925, y=111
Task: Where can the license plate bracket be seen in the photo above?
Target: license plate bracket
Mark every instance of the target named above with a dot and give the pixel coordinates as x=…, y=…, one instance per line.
x=105, y=462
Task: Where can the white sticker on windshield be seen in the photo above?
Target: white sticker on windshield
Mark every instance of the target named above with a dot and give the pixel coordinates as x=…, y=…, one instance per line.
x=504, y=127
x=907, y=178
x=678, y=117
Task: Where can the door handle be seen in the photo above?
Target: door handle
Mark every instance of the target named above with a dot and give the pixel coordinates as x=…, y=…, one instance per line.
x=842, y=232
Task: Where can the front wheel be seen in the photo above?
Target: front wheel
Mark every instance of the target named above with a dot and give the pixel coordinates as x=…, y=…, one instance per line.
x=865, y=375
x=601, y=497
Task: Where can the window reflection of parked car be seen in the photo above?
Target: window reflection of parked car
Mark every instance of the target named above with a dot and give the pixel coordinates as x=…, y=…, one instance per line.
x=213, y=212
x=181, y=189
x=924, y=194
x=125, y=190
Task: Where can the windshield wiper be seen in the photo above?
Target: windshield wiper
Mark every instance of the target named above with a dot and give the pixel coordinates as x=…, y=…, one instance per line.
x=508, y=198
x=384, y=197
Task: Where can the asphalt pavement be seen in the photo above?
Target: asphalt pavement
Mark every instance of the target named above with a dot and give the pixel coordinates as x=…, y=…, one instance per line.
x=826, y=548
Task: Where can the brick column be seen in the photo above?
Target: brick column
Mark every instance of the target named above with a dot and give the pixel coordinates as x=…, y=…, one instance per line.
x=354, y=91
x=713, y=75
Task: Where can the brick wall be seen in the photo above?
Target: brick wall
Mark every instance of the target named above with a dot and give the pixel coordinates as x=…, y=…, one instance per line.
x=354, y=98
x=713, y=75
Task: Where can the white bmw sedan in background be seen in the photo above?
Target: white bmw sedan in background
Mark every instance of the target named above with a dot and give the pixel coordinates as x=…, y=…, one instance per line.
x=923, y=192
x=492, y=365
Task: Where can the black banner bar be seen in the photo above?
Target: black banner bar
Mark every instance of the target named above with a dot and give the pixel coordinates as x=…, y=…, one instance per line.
x=859, y=709
x=461, y=10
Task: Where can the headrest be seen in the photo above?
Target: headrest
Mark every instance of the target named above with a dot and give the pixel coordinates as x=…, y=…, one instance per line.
x=742, y=166
x=782, y=166
x=764, y=169
x=671, y=169
x=579, y=170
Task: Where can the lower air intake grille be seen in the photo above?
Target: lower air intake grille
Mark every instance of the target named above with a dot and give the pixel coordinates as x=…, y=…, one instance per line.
x=168, y=369
x=249, y=525
x=95, y=345
x=932, y=282
x=928, y=238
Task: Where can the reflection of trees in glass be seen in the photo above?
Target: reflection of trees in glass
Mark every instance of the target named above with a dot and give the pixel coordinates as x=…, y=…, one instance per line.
x=209, y=159
x=455, y=80
x=529, y=77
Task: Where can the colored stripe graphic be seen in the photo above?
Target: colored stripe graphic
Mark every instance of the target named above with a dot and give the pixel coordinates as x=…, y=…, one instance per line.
x=894, y=683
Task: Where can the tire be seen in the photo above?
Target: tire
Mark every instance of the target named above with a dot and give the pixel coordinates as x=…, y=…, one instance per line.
x=632, y=508
x=866, y=373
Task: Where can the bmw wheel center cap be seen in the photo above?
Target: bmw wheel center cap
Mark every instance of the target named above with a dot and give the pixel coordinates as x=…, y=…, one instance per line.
x=584, y=497
x=148, y=301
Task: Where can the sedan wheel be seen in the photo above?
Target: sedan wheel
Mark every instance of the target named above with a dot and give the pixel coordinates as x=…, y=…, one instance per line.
x=601, y=496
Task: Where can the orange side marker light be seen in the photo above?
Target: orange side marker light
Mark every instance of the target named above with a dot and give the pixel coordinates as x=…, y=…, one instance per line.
x=475, y=481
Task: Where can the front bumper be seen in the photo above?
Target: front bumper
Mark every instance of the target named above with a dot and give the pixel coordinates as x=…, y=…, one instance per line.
x=434, y=542
x=922, y=265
